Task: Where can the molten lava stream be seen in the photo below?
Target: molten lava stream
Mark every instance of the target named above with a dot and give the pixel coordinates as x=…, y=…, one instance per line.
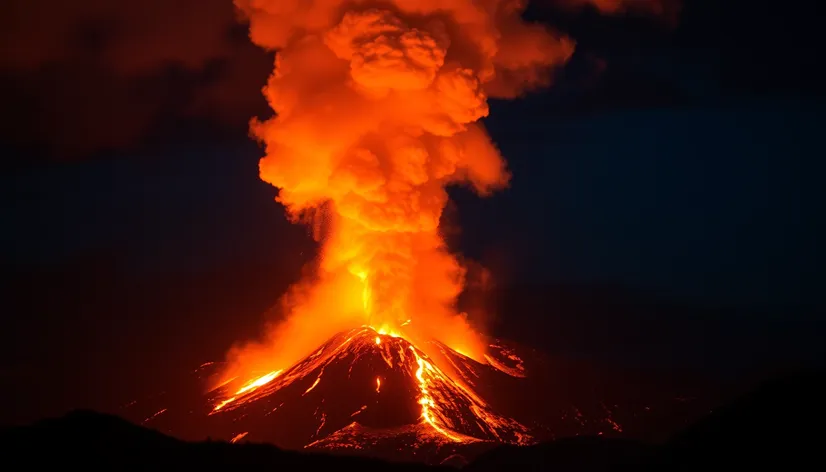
x=249, y=388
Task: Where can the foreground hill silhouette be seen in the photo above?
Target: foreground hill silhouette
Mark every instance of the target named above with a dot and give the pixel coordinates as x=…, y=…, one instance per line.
x=780, y=423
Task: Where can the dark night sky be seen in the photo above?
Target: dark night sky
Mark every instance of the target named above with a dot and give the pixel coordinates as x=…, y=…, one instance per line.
x=685, y=162
x=728, y=217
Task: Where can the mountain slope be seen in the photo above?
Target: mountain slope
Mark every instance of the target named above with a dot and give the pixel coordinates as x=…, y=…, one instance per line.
x=376, y=381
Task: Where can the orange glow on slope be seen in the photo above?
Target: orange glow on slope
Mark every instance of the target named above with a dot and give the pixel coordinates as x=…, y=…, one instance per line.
x=248, y=387
x=312, y=386
x=150, y=418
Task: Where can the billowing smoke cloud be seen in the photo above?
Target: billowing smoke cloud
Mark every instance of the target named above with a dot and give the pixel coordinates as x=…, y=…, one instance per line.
x=377, y=111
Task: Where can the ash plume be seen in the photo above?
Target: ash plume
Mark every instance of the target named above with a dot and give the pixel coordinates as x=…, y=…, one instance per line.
x=377, y=107
x=376, y=113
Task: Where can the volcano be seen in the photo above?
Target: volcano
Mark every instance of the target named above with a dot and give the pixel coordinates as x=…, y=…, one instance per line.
x=379, y=395
x=364, y=388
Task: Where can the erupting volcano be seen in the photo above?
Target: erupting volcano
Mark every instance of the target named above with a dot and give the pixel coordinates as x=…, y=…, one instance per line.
x=376, y=112
x=362, y=385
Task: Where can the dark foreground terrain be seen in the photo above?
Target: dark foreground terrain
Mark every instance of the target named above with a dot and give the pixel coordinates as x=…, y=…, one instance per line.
x=779, y=424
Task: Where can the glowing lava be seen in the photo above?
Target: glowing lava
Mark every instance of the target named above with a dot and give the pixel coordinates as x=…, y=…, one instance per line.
x=249, y=387
x=430, y=410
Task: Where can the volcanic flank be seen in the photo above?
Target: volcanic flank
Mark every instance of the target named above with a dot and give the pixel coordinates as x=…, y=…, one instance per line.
x=362, y=385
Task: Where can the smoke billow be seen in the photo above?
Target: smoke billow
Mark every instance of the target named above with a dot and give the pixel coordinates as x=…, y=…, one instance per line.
x=377, y=107
x=376, y=112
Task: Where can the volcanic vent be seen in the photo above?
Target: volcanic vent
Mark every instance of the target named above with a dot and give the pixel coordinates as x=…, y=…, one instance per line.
x=361, y=387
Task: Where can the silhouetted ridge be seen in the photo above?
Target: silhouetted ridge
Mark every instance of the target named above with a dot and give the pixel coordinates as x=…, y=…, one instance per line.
x=90, y=439
x=81, y=428
x=570, y=454
x=778, y=424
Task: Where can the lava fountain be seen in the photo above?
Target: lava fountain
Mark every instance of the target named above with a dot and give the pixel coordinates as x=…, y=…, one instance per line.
x=376, y=111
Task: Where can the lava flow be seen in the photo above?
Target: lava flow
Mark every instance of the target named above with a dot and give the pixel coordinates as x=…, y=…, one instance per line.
x=377, y=106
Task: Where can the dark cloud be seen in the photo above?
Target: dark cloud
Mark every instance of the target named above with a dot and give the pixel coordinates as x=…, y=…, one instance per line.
x=86, y=76
x=667, y=11
x=667, y=8
x=130, y=37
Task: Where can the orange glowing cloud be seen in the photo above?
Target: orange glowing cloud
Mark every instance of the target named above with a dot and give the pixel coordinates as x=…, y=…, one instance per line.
x=377, y=108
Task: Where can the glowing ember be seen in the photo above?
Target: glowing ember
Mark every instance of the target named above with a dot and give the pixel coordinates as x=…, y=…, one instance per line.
x=160, y=412
x=313, y=385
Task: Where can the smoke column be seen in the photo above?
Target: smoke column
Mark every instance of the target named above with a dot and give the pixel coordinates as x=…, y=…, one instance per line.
x=377, y=107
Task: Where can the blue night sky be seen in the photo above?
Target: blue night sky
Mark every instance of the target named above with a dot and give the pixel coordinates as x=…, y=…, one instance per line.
x=716, y=204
